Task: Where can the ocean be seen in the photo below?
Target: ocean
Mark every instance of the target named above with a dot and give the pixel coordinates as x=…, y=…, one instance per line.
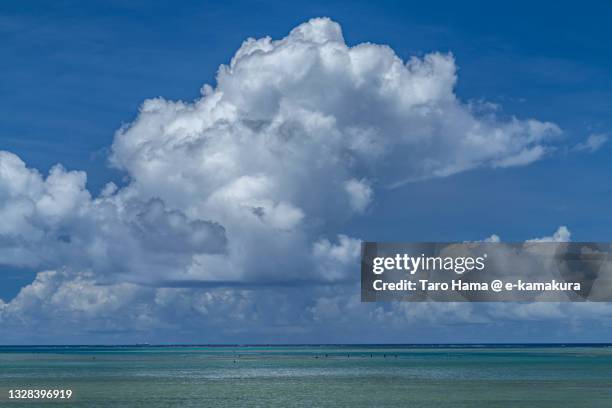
x=311, y=376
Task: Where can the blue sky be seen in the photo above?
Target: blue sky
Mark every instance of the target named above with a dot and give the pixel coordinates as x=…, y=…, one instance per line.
x=72, y=74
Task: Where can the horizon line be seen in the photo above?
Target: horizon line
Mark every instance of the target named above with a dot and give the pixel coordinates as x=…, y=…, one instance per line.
x=459, y=344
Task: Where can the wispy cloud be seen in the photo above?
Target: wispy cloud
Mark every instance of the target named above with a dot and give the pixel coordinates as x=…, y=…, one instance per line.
x=593, y=143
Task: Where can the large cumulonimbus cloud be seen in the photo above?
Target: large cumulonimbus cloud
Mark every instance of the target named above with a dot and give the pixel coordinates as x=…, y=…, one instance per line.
x=296, y=137
x=252, y=182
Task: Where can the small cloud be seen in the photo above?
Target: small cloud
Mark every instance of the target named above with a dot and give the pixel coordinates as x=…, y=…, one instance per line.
x=593, y=143
x=360, y=194
x=492, y=239
x=562, y=234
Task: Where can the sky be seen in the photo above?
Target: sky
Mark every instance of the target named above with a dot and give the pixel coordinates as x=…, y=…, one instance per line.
x=216, y=190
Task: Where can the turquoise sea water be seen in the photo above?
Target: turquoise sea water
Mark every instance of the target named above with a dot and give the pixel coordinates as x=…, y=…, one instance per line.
x=312, y=376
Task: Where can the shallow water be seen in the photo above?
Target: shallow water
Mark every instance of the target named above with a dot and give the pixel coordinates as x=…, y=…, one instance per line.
x=308, y=376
